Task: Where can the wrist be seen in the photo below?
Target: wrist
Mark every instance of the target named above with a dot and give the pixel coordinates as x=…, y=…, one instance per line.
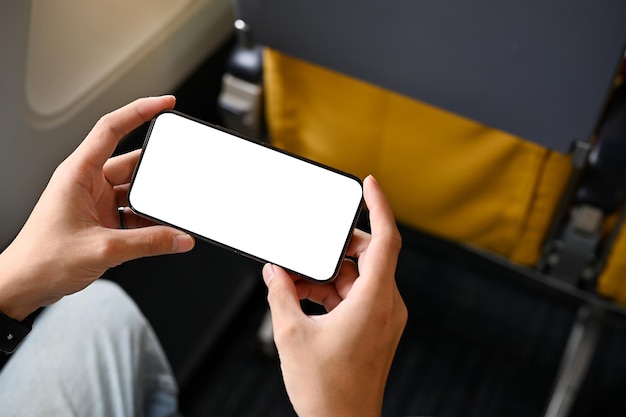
x=15, y=303
x=338, y=398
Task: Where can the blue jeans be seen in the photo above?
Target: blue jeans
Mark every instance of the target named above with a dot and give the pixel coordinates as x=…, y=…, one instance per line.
x=91, y=354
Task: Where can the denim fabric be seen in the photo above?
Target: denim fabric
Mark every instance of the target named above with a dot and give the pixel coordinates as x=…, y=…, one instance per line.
x=91, y=354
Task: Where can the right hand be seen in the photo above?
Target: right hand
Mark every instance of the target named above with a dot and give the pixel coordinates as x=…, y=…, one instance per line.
x=337, y=364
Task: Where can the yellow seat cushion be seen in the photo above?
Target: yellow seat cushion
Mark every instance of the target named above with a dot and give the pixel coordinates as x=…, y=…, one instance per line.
x=443, y=173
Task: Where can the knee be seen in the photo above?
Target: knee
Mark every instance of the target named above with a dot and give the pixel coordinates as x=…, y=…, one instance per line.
x=101, y=309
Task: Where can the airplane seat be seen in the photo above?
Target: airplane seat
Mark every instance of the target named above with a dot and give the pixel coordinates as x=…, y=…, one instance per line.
x=500, y=136
x=444, y=174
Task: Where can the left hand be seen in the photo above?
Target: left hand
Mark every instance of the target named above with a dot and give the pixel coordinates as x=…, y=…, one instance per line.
x=72, y=236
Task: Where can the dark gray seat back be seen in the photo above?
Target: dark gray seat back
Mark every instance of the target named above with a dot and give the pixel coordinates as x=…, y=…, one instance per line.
x=540, y=69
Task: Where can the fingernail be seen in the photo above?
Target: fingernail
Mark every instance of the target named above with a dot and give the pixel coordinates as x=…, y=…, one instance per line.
x=170, y=96
x=182, y=243
x=268, y=273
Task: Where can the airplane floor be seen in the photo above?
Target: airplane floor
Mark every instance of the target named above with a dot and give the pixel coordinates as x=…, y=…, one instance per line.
x=474, y=346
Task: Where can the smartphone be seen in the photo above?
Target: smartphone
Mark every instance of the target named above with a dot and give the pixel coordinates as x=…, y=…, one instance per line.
x=245, y=195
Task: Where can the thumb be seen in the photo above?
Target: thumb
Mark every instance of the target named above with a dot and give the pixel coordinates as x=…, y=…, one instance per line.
x=282, y=297
x=137, y=243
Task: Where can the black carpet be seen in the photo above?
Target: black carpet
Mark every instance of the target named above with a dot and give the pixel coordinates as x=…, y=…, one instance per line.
x=476, y=344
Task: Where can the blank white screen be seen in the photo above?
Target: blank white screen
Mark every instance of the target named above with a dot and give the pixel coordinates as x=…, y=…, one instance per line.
x=267, y=204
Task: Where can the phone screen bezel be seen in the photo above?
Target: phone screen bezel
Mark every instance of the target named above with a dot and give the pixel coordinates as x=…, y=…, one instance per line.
x=238, y=136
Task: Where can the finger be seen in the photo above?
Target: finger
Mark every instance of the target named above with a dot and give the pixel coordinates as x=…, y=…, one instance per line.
x=358, y=243
x=119, y=169
x=331, y=294
x=382, y=220
x=126, y=245
x=323, y=294
x=282, y=298
x=346, y=277
x=384, y=247
x=121, y=194
x=134, y=221
x=100, y=143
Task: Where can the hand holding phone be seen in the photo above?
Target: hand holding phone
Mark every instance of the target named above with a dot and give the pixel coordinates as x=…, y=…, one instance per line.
x=245, y=195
